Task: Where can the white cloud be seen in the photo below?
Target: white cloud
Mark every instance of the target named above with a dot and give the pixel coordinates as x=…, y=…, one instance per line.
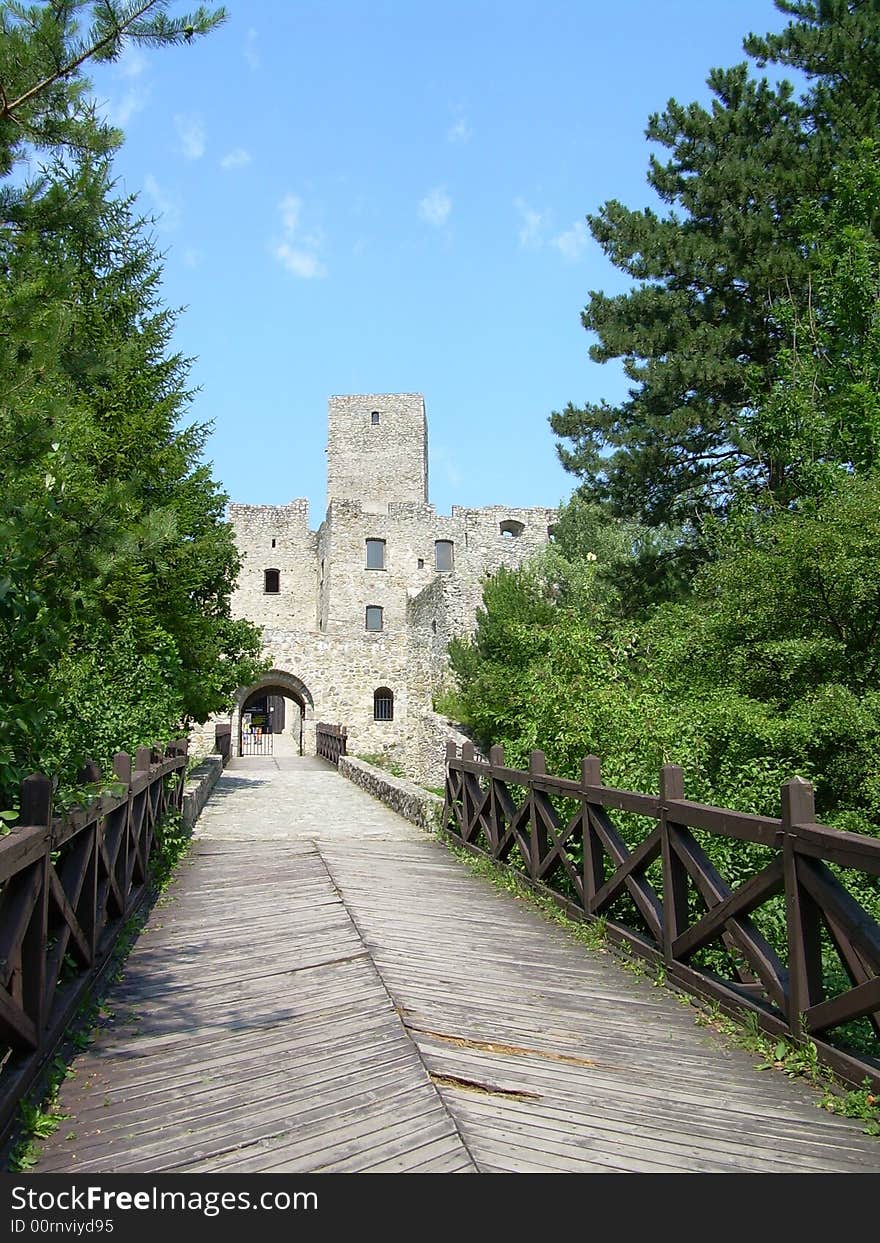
x=533, y=224
x=290, y=207
x=298, y=251
x=536, y=232
x=459, y=131
x=121, y=110
x=164, y=205
x=237, y=158
x=301, y=263
x=435, y=207
x=573, y=242
x=251, y=55
x=448, y=464
x=130, y=68
x=191, y=132
x=132, y=62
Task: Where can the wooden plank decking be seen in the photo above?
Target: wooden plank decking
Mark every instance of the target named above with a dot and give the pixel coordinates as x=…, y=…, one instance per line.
x=326, y=988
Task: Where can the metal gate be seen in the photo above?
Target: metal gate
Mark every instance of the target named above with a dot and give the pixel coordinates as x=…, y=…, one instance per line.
x=257, y=742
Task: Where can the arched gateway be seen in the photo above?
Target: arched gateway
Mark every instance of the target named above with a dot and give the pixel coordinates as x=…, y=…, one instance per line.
x=264, y=699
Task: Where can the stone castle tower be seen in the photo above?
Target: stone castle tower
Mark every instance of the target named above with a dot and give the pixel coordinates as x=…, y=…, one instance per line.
x=358, y=614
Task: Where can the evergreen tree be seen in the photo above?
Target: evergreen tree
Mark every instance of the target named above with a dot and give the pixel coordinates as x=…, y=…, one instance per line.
x=117, y=565
x=698, y=335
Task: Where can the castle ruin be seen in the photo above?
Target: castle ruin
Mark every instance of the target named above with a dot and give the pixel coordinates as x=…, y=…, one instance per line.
x=357, y=615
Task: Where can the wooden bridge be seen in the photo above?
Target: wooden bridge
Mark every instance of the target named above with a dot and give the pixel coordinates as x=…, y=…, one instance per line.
x=326, y=988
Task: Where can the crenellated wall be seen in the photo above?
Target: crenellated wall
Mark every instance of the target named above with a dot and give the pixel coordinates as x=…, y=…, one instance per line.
x=315, y=624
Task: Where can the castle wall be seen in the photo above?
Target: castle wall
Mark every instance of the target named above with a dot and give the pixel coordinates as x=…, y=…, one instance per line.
x=275, y=537
x=315, y=625
x=377, y=463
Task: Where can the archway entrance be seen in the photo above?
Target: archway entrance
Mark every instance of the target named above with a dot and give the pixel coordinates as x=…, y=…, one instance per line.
x=273, y=707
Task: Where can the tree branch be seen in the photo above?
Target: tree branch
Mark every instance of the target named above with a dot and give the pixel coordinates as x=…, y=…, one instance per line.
x=71, y=67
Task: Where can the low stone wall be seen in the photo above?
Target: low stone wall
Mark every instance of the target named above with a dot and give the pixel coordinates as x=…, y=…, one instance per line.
x=199, y=785
x=405, y=797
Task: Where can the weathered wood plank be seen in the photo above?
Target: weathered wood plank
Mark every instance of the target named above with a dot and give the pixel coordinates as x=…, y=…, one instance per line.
x=289, y=999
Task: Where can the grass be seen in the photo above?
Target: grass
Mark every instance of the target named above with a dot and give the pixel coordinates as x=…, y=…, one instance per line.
x=794, y=1058
x=378, y=759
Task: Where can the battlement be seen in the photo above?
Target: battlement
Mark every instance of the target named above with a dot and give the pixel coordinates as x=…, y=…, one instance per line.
x=280, y=517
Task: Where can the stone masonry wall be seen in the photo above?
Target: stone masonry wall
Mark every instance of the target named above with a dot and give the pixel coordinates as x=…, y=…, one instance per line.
x=315, y=625
x=381, y=462
x=276, y=537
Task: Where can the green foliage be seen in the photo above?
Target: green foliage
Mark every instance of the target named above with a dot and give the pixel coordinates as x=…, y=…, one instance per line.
x=117, y=565
x=820, y=418
x=700, y=332
x=379, y=759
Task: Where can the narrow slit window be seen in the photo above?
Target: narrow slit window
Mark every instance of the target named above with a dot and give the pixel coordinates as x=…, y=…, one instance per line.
x=443, y=555
x=374, y=617
x=271, y=582
x=375, y=554
x=383, y=704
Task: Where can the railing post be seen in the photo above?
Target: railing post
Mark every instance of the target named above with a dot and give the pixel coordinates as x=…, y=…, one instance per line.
x=448, y=797
x=35, y=806
x=496, y=760
x=537, y=832
x=594, y=865
x=805, y=984
x=89, y=774
x=675, y=878
x=36, y=811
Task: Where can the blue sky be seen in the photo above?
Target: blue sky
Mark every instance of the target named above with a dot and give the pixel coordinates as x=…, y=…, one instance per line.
x=362, y=196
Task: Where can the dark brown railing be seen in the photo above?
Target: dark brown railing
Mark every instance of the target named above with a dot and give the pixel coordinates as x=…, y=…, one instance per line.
x=67, y=887
x=330, y=741
x=223, y=741
x=568, y=845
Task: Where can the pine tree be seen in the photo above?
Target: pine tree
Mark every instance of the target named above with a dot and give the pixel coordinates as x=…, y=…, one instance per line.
x=116, y=564
x=697, y=334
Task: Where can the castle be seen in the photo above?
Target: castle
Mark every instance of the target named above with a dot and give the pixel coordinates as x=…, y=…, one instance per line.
x=358, y=614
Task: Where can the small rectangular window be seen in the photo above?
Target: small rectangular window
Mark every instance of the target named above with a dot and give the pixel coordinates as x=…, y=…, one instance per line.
x=374, y=617
x=374, y=418
x=375, y=554
x=271, y=582
x=443, y=557
x=421, y=563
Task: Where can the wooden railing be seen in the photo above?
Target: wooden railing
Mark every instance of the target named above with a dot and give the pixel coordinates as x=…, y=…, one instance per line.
x=223, y=741
x=815, y=972
x=67, y=887
x=330, y=741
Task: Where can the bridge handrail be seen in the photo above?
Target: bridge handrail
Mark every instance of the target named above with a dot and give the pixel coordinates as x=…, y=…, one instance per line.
x=330, y=741
x=69, y=885
x=678, y=903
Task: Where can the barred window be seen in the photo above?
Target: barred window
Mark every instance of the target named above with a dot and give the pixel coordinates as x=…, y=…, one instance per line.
x=383, y=704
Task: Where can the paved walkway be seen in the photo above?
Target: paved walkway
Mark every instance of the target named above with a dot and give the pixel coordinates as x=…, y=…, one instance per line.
x=326, y=988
